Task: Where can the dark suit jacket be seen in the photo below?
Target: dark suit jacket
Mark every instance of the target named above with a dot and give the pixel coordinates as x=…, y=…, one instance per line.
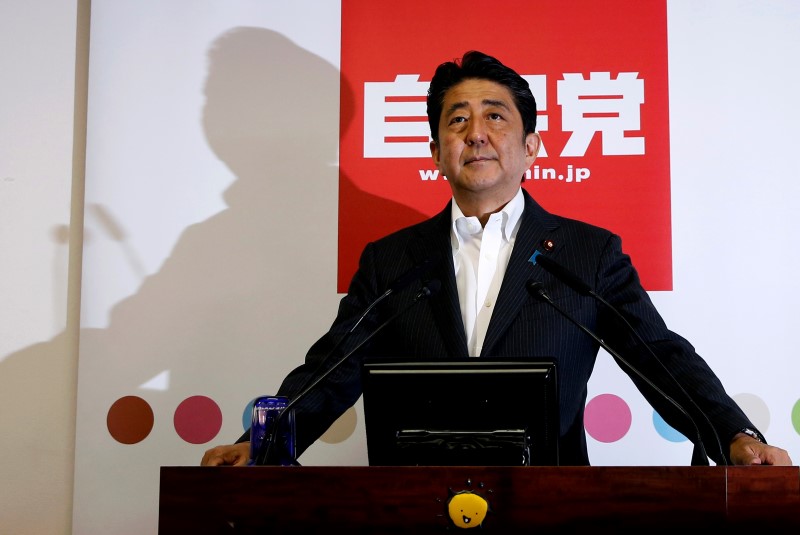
x=521, y=326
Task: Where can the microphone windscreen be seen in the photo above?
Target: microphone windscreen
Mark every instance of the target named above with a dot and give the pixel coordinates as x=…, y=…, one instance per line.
x=433, y=287
x=563, y=274
x=410, y=276
x=534, y=287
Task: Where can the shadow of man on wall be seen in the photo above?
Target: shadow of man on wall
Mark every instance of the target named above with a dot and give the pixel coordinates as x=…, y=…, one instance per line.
x=235, y=306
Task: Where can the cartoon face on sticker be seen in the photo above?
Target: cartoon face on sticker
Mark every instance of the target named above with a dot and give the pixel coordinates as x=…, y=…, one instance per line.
x=467, y=509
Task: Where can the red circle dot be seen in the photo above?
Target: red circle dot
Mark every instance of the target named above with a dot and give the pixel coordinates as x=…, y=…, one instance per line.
x=198, y=419
x=129, y=420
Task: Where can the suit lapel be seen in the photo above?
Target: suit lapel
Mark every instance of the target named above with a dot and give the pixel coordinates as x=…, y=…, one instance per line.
x=535, y=228
x=433, y=242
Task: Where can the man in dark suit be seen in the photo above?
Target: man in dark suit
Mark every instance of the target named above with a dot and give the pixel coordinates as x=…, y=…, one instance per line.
x=482, y=117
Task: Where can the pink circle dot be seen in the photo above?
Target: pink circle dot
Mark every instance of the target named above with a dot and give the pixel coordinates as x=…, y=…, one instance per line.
x=197, y=419
x=607, y=418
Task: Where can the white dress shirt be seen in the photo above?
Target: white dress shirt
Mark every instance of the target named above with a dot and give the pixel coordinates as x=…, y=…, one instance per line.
x=480, y=257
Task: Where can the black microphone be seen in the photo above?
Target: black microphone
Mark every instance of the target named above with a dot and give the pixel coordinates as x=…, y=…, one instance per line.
x=536, y=289
x=576, y=283
x=400, y=283
x=266, y=451
x=563, y=274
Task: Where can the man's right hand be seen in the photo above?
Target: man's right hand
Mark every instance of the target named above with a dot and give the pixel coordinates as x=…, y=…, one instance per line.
x=228, y=455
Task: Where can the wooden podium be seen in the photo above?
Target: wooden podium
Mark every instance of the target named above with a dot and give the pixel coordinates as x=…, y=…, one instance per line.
x=748, y=499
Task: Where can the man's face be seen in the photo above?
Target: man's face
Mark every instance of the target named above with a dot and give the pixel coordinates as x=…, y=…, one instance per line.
x=481, y=149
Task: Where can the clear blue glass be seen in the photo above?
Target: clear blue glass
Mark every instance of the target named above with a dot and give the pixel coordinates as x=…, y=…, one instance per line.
x=266, y=411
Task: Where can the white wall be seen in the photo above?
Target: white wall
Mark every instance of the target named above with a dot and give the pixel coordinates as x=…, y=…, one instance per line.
x=40, y=245
x=186, y=270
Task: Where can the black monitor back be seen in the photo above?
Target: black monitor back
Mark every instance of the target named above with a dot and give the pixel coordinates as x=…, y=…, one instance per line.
x=475, y=412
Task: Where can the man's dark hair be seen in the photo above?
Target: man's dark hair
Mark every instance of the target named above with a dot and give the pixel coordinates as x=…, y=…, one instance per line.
x=477, y=65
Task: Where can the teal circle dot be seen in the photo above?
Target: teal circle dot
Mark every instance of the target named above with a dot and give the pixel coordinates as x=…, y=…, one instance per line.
x=247, y=415
x=666, y=431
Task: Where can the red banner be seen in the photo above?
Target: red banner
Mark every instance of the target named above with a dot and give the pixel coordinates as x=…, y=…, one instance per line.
x=598, y=71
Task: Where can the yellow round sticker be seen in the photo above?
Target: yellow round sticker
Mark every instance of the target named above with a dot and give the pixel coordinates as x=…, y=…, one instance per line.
x=467, y=509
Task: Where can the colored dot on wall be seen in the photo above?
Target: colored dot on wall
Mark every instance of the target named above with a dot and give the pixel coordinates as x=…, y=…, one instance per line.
x=247, y=415
x=197, y=419
x=796, y=417
x=756, y=409
x=665, y=430
x=607, y=418
x=129, y=420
